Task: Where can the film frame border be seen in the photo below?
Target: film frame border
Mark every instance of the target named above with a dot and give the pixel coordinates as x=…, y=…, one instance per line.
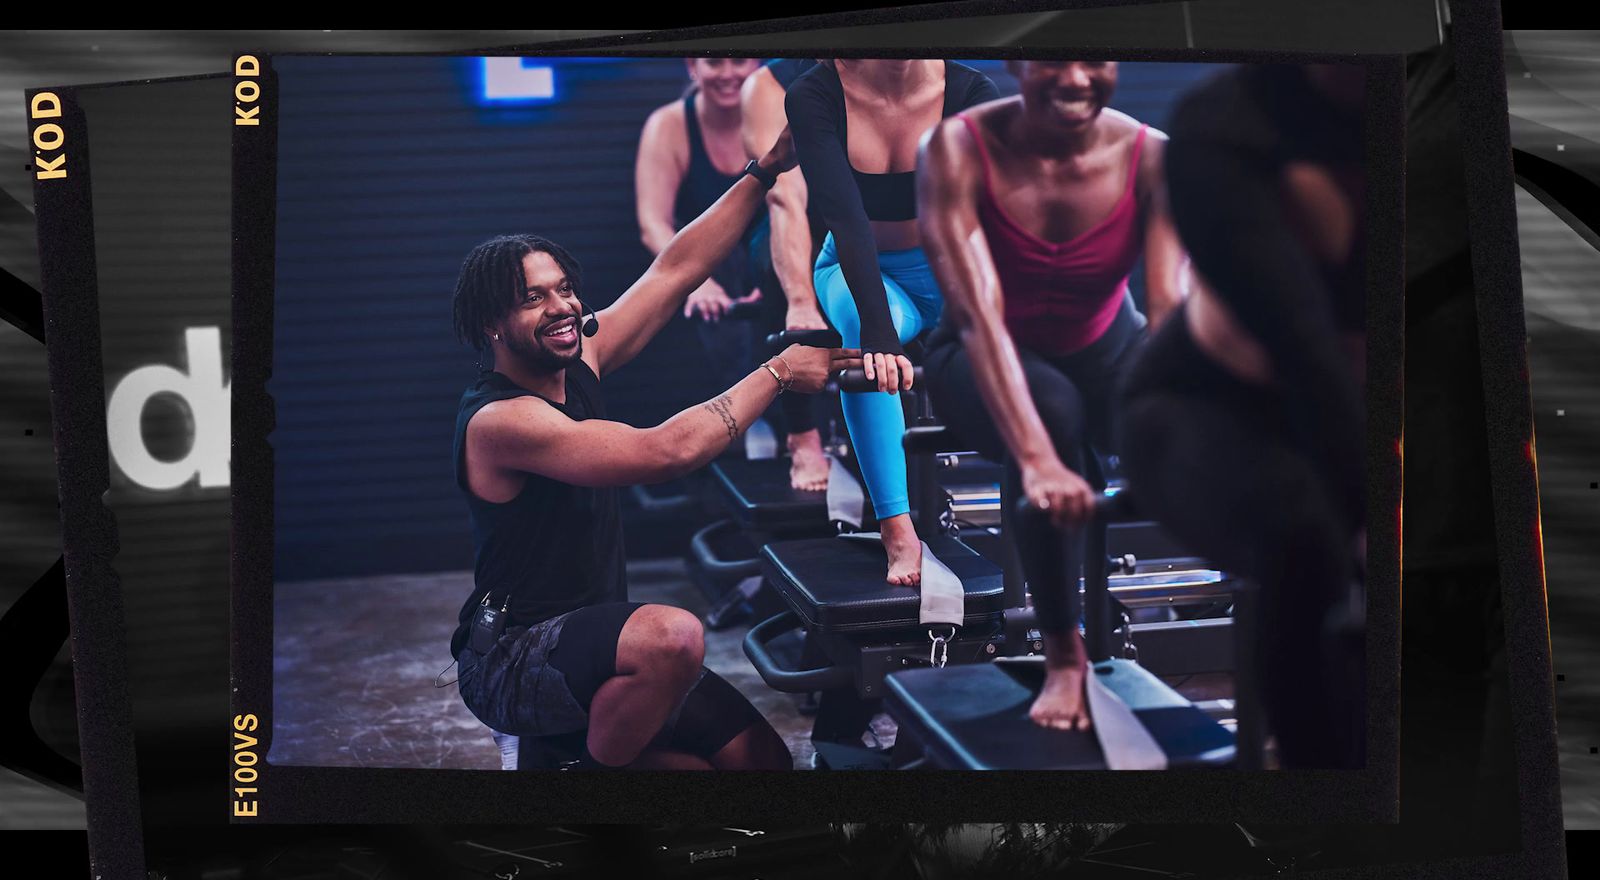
x=1541, y=821
x=70, y=297
x=327, y=794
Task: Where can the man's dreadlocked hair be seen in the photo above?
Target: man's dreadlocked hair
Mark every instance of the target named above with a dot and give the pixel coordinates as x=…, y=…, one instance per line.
x=491, y=282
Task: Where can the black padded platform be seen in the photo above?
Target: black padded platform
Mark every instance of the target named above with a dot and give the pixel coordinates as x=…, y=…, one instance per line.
x=975, y=717
x=837, y=584
x=759, y=494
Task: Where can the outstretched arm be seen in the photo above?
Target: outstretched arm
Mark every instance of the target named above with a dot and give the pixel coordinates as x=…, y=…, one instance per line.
x=687, y=260
x=528, y=434
x=948, y=181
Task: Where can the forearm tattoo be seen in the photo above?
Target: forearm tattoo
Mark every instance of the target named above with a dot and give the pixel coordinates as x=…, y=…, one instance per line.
x=723, y=406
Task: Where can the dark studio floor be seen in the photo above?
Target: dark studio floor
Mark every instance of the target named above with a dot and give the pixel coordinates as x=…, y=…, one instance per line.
x=363, y=695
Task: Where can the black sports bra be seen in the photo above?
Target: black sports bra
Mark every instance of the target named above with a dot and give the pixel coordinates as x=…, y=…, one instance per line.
x=889, y=196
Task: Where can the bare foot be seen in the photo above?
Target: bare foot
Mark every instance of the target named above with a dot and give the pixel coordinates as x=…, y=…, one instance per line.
x=1062, y=702
x=808, y=467
x=904, y=548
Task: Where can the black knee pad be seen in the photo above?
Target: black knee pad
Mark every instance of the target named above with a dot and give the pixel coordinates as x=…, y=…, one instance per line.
x=709, y=718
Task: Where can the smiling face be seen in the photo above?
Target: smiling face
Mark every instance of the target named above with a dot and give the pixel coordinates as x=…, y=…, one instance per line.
x=720, y=78
x=542, y=329
x=1065, y=96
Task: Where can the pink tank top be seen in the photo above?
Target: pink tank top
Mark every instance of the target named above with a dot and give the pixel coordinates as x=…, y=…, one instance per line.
x=1059, y=297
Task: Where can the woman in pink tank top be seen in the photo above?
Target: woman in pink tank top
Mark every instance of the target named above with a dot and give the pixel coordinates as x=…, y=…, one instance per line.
x=1034, y=210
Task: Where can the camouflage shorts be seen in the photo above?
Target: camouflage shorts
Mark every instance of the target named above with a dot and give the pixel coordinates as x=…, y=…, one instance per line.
x=514, y=689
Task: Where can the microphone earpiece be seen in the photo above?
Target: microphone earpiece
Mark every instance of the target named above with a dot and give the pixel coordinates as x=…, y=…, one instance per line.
x=591, y=324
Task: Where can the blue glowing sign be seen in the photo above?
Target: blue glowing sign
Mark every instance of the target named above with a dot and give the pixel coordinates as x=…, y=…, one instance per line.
x=515, y=81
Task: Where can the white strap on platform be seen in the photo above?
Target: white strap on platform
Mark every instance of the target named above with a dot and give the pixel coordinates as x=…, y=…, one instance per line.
x=1126, y=743
x=944, y=597
x=847, y=503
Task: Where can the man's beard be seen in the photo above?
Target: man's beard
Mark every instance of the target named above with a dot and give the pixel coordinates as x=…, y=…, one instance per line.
x=535, y=355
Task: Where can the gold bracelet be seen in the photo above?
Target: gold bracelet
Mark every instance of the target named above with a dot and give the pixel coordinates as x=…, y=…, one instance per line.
x=790, y=383
x=781, y=387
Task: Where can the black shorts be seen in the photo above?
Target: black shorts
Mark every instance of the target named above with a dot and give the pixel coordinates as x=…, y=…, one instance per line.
x=539, y=682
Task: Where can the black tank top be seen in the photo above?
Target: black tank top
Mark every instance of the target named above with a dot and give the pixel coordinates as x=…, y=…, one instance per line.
x=702, y=185
x=555, y=547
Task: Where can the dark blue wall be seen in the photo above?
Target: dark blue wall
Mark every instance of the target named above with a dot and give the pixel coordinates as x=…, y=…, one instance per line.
x=389, y=172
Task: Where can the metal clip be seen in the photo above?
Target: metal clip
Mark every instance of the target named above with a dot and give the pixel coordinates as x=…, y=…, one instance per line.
x=939, y=651
x=1129, y=649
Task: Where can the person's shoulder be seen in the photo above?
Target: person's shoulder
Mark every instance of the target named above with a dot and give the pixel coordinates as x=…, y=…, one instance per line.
x=784, y=71
x=494, y=398
x=1126, y=130
x=666, y=133
x=491, y=385
x=526, y=414
x=667, y=118
x=819, y=81
x=1130, y=135
x=814, y=95
x=488, y=384
x=955, y=133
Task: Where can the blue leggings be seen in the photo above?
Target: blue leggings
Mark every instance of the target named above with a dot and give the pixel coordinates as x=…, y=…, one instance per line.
x=876, y=420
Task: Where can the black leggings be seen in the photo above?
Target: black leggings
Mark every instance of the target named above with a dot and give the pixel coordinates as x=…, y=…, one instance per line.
x=1075, y=395
x=1207, y=456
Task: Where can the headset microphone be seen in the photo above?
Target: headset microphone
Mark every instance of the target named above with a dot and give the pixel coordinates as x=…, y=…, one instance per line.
x=591, y=324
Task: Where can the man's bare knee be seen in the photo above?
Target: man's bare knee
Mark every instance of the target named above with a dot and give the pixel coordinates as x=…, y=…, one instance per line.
x=662, y=638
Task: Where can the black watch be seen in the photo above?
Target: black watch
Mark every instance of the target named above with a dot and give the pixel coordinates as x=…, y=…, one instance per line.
x=767, y=178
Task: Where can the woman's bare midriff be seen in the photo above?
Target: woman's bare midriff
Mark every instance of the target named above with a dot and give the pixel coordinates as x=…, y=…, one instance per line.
x=896, y=235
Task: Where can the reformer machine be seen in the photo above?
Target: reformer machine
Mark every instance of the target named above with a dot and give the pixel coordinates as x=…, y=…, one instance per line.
x=865, y=641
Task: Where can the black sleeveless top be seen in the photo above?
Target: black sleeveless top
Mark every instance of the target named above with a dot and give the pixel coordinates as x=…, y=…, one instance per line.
x=555, y=547
x=700, y=188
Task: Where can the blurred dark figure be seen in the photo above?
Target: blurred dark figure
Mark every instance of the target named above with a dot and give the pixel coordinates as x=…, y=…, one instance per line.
x=1244, y=418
